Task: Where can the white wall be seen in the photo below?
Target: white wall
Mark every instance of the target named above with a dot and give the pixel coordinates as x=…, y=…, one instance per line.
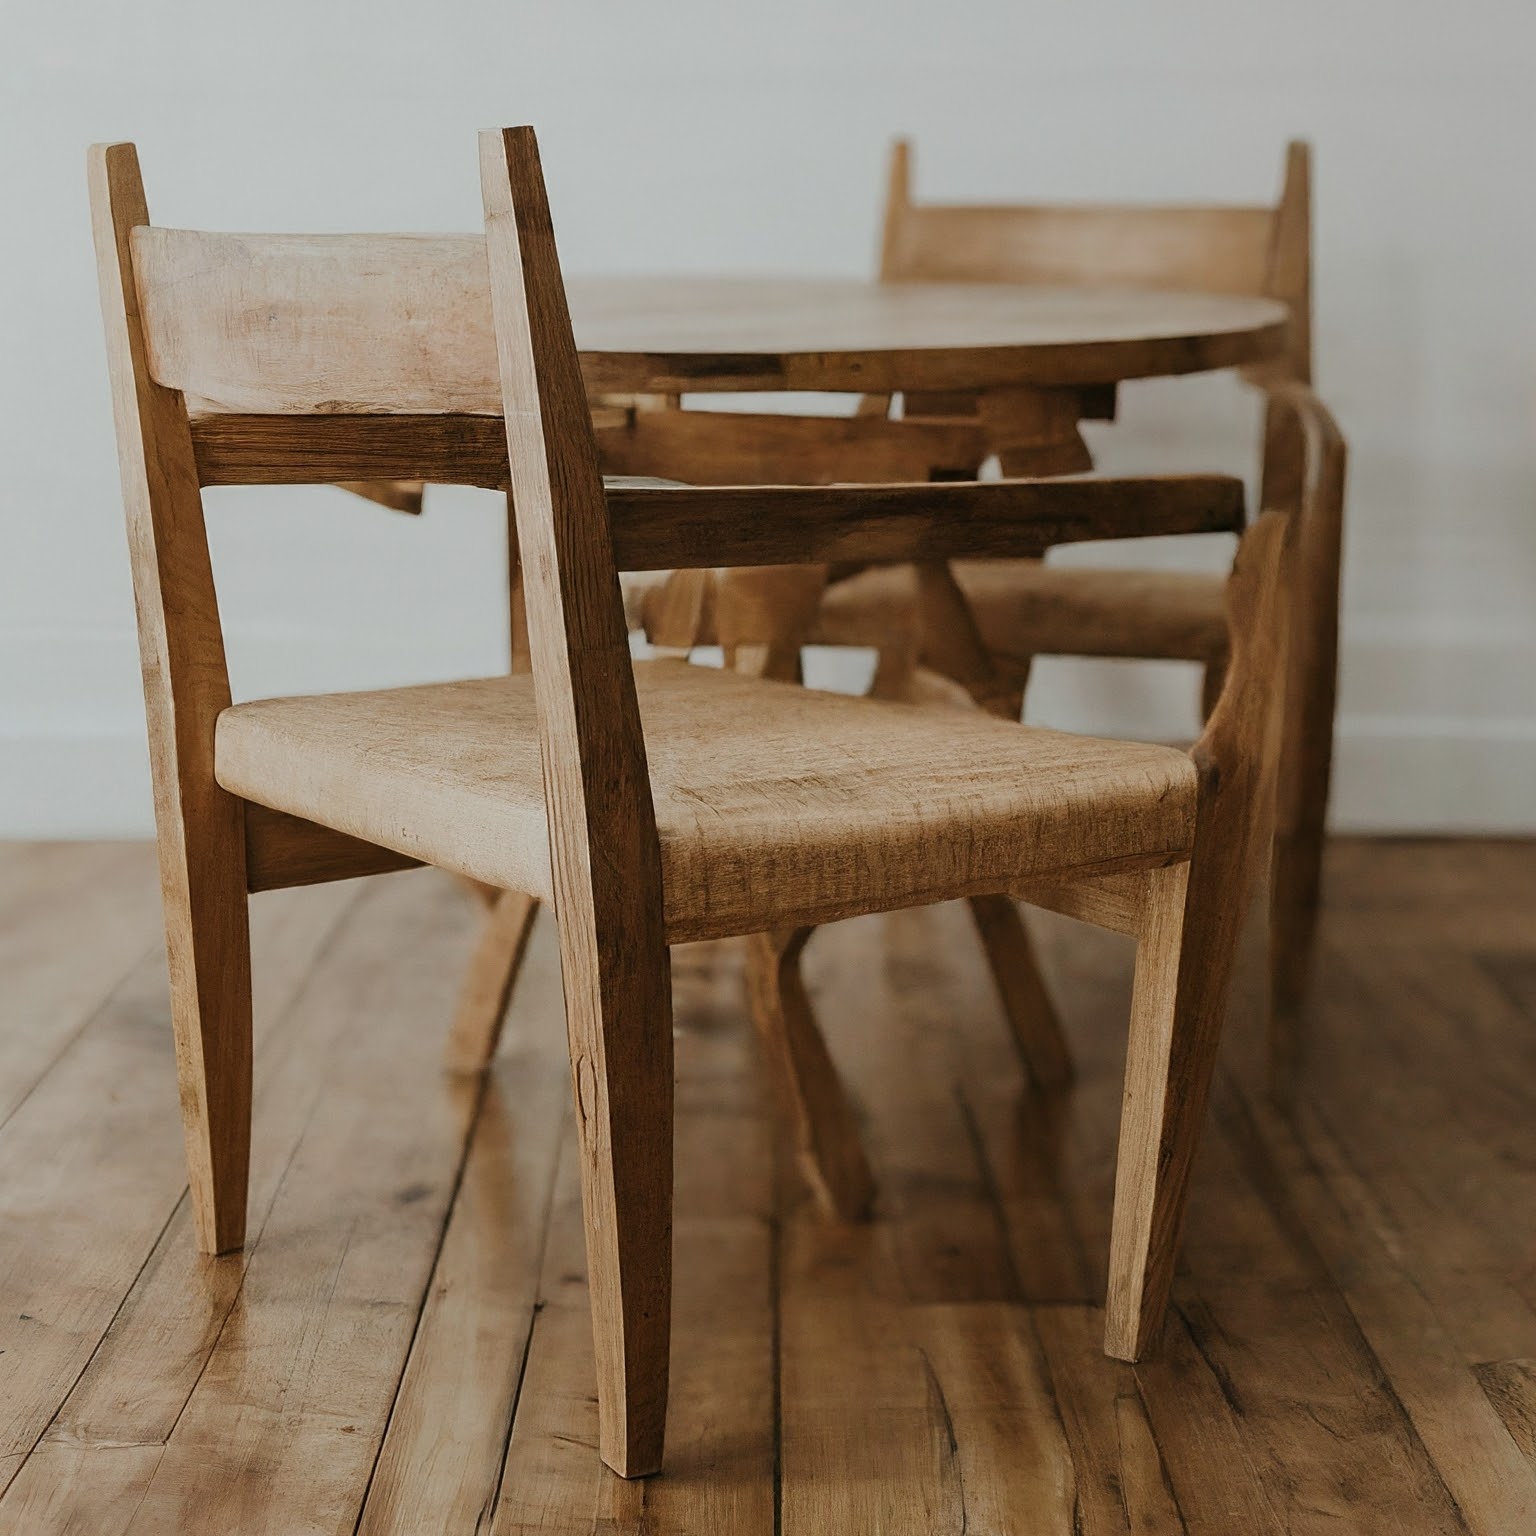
x=682, y=134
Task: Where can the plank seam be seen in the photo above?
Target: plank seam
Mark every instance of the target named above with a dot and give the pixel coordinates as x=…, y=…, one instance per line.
x=87, y=1018
x=426, y=1292
x=493, y=1502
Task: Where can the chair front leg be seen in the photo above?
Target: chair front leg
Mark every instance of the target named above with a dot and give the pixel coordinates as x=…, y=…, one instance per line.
x=619, y=1023
x=1183, y=966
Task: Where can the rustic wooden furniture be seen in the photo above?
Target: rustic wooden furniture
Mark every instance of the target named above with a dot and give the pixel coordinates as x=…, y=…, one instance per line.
x=1028, y=362
x=649, y=804
x=1028, y=608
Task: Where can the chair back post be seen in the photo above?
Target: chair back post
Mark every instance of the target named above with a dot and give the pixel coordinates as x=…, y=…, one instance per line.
x=1237, y=754
x=181, y=642
x=1315, y=499
x=1282, y=608
x=200, y=830
x=604, y=851
x=1289, y=275
x=589, y=716
x=898, y=203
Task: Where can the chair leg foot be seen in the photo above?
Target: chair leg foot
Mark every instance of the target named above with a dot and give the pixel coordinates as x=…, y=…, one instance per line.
x=827, y=1142
x=1026, y=1000
x=487, y=989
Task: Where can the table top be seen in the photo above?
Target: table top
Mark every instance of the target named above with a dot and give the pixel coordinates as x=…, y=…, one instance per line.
x=744, y=333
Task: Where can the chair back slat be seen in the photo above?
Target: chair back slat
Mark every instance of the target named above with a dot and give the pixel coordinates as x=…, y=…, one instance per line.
x=240, y=449
x=1259, y=251
x=1204, y=250
x=333, y=324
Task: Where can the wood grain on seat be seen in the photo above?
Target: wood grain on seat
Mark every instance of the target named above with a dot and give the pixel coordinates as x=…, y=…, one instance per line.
x=774, y=804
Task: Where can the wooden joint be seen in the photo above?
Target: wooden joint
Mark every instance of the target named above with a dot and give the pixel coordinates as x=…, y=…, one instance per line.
x=283, y=851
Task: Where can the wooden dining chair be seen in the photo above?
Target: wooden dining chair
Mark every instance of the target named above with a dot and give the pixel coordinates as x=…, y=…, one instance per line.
x=648, y=803
x=1026, y=608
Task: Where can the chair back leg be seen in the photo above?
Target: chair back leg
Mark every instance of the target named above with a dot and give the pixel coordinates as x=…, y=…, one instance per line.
x=208, y=944
x=619, y=1024
x=827, y=1144
x=1295, y=898
x=1032, y=1016
x=487, y=988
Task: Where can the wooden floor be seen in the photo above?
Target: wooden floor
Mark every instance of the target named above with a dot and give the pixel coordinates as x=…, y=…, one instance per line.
x=404, y=1346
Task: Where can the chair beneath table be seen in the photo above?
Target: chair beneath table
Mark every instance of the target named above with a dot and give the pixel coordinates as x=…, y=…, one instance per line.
x=651, y=803
x=1025, y=608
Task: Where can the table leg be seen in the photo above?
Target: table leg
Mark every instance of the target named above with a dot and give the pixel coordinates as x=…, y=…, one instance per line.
x=952, y=644
x=1035, y=431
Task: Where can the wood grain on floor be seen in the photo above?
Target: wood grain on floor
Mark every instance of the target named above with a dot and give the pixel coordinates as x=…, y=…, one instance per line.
x=404, y=1345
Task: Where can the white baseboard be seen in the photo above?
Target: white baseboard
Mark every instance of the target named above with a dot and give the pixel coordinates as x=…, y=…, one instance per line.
x=1404, y=776
x=1434, y=776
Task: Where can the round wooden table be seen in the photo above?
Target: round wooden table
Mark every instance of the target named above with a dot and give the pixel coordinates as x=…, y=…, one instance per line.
x=669, y=334
x=1026, y=364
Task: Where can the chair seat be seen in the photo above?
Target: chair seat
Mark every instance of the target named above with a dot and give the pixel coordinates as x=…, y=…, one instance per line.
x=1027, y=607
x=775, y=804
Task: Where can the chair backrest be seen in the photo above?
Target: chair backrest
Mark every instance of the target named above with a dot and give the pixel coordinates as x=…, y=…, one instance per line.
x=256, y=359
x=1259, y=250
x=286, y=359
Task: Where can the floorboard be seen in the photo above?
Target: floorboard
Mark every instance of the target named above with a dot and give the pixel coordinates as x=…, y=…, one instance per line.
x=106, y=893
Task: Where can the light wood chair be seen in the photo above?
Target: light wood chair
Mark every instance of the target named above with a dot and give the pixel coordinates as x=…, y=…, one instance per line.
x=650, y=803
x=1026, y=608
